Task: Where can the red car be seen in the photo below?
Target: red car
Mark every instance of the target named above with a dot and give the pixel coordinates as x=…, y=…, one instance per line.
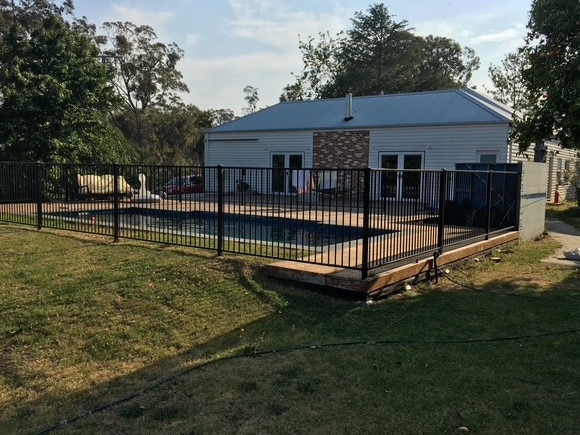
x=185, y=185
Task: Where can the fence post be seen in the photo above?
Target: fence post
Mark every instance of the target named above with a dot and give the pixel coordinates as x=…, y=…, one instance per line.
x=116, y=195
x=488, y=203
x=366, y=222
x=180, y=180
x=38, y=194
x=519, y=199
x=220, y=235
x=442, y=200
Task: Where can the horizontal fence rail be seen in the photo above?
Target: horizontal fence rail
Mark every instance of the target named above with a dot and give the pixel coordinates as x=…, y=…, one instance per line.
x=363, y=219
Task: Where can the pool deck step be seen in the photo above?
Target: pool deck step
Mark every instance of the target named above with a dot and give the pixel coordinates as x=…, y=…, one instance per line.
x=381, y=282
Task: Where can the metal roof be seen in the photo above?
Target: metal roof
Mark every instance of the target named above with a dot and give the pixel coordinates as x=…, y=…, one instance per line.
x=458, y=106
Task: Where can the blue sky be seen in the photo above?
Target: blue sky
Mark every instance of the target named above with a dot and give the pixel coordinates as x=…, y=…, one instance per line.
x=229, y=44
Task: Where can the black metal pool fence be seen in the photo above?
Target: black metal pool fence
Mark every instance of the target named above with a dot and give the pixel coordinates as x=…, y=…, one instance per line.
x=362, y=219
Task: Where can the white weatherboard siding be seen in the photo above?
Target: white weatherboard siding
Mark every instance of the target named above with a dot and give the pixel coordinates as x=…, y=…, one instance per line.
x=562, y=166
x=254, y=150
x=442, y=146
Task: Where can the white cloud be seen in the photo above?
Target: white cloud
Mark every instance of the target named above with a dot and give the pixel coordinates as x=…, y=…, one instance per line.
x=267, y=33
x=233, y=43
x=154, y=19
x=506, y=35
x=269, y=72
x=274, y=24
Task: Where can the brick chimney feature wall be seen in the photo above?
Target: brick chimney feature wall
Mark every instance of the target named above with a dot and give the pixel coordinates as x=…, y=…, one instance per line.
x=341, y=149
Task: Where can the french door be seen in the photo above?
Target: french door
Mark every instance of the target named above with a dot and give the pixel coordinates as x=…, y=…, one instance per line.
x=282, y=166
x=403, y=180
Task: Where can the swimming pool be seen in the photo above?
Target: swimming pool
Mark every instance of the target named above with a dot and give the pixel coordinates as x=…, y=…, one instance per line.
x=235, y=226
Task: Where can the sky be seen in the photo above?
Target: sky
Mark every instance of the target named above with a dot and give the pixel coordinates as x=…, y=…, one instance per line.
x=230, y=44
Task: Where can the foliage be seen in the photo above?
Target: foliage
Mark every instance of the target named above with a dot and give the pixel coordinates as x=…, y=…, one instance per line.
x=551, y=77
x=161, y=129
x=507, y=79
x=169, y=136
x=445, y=65
x=251, y=99
x=221, y=116
x=30, y=14
x=55, y=94
x=146, y=69
x=379, y=55
x=320, y=67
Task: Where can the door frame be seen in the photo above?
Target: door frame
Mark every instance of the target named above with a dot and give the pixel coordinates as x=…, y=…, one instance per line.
x=287, y=167
x=399, y=193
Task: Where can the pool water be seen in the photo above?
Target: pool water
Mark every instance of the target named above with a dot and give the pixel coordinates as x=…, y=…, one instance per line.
x=243, y=227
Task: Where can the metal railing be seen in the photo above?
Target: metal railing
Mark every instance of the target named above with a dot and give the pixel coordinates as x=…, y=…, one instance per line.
x=361, y=219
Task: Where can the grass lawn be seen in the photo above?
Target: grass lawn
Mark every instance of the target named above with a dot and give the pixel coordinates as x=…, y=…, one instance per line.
x=128, y=338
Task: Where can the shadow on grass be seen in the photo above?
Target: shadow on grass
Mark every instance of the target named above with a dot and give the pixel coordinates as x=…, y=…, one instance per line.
x=499, y=311
x=309, y=350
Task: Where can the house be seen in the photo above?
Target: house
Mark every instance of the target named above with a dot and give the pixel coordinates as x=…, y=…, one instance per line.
x=563, y=171
x=425, y=130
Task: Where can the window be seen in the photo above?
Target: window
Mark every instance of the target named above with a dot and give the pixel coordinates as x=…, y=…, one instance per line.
x=487, y=157
x=559, y=179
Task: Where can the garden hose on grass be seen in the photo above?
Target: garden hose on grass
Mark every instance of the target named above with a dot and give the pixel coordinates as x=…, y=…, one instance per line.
x=163, y=381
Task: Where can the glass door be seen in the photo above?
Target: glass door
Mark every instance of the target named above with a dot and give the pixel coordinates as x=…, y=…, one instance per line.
x=402, y=180
x=282, y=166
x=411, y=179
x=389, y=179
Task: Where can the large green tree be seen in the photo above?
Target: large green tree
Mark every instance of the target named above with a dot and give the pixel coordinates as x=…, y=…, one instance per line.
x=379, y=55
x=552, y=75
x=444, y=64
x=173, y=135
x=508, y=81
x=321, y=67
x=147, y=73
x=150, y=84
x=55, y=94
x=30, y=14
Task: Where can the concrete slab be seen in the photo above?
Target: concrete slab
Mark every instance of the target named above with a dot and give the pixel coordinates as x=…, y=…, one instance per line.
x=568, y=236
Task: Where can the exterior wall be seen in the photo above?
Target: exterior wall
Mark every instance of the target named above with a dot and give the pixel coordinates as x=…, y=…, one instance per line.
x=440, y=146
x=533, y=200
x=253, y=150
x=562, y=170
x=341, y=149
x=563, y=165
x=443, y=146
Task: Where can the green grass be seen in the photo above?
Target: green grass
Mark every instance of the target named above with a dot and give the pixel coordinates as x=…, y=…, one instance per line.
x=567, y=212
x=144, y=338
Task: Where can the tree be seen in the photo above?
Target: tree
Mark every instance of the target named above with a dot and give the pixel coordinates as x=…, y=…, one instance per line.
x=508, y=82
x=251, y=98
x=221, y=116
x=30, y=15
x=551, y=77
x=147, y=73
x=148, y=81
x=55, y=94
x=445, y=64
x=379, y=55
x=321, y=66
